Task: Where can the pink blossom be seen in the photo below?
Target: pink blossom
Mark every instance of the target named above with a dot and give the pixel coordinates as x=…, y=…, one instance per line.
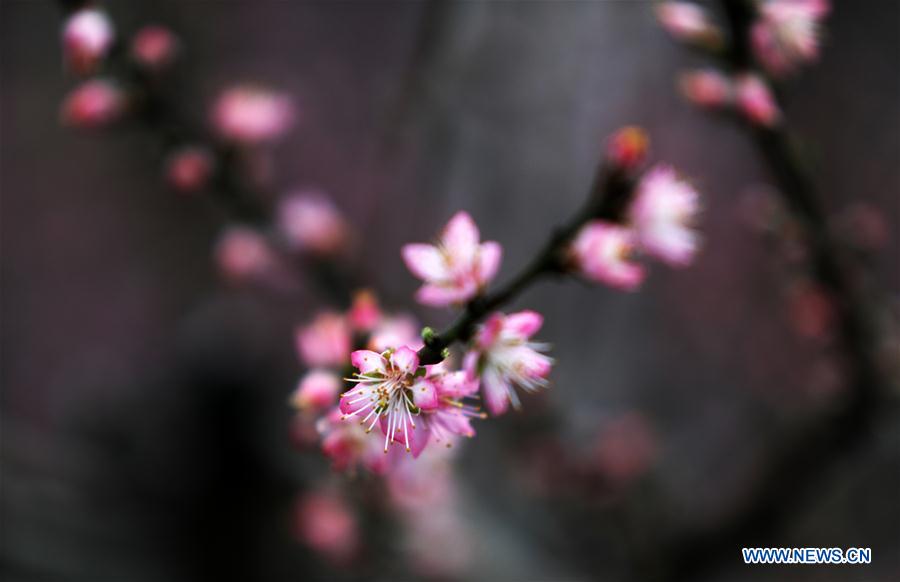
x=662, y=213
x=755, y=100
x=325, y=341
x=242, y=253
x=310, y=221
x=154, y=47
x=787, y=33
x=687, y=22
x=455, y=269
x=503, y=357
x=94, y=103
x=317, y=389
x=627, y=148
x=87, y=35
x=364, y=312
x=395, y=330
x=708, y=88
x=252, y=115
x=602, y=251
x=188, y=169
x=326, y=523
x=388, y=387
x=442, y=414
x=349, y=445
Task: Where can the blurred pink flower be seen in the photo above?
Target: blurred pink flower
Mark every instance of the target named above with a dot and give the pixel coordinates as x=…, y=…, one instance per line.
x=365, y=312
x=189, y=168
x=457, y=268
x=154, y=47
x=325, y=341
x=395, y=330
x=503, y=357
x=252, y=115
x=317, y=389
x=662, y=213
x=755, y=100
x=87, y=37
x=602, y=251
x=94, y=103
x=389, y=388
x=625, y=448
x=243, y=254
x=688, y=22
x=311, y=222
x=787, y=33
x=627, y=148
x=707, y=88
x=348, y=445
x=327, y=524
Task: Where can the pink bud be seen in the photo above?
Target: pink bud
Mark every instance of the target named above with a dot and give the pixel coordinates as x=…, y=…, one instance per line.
x=364, y=314
x=154, y=47
x=755, y=100
x=252, y=115
x=325, y=342
x=688, y=22
x=87, y=37
x=627, y=148
x=706, y=88
x=326, y=524
x=311, y=222
x=317, y=389
x=189, y=168
x=94, y=103
x=242, y=254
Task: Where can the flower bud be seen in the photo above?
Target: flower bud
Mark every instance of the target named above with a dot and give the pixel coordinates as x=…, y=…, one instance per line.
x=364, y=313
x=243, y=254
x=709, y=89
x=627, y=148
x=755, y=100
x=188, y=169
x=689, y=23
x=87, y=37
x=311, y=222
x=154, y=48
x=252, y=115
x=94, y=103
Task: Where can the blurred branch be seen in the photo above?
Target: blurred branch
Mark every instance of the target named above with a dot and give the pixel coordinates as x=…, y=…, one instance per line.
x=243, y=203
x=807, y=452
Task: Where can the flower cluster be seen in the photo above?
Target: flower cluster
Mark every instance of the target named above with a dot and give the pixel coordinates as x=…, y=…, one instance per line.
x=784, y=36
x=658, y=223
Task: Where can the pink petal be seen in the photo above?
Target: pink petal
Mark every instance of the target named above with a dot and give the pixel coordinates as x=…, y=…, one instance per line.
x=489, y=261
x=425, y=395
x=460, y=238
x=455, y=422
x=418, y=438
x=425, y=262
x=456, y=385
x=368, y=361
x=495, y=391
x=405, y=360
x=524, y=323
x=444, y=295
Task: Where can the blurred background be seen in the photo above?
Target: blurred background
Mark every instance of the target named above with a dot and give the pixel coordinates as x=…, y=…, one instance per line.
x=145, y=424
